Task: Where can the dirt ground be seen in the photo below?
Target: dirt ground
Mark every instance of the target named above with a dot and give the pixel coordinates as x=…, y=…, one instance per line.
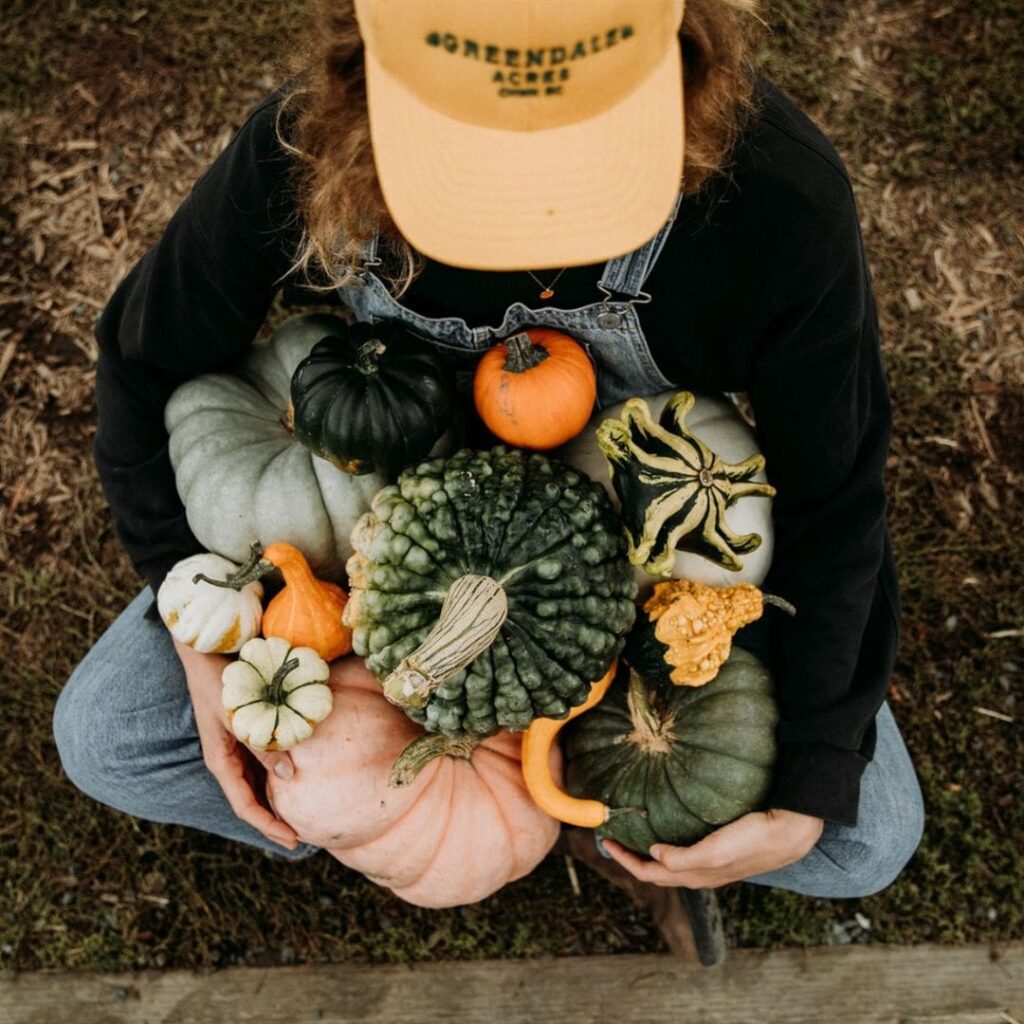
x=108, y=114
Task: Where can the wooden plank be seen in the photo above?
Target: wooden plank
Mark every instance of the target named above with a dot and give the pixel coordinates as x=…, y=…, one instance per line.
x=841, y=985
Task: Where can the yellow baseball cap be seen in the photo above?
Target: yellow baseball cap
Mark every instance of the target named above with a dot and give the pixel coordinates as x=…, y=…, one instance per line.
x=514, y=134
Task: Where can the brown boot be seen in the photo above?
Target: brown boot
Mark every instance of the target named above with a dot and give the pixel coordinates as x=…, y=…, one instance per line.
x=665, y=905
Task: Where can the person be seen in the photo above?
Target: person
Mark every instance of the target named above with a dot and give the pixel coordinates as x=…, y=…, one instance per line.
x=619, y=171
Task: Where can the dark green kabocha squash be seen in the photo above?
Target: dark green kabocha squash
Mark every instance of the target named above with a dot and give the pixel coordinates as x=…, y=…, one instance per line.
x=689, y=758
x=489, y=588
x=371, y=398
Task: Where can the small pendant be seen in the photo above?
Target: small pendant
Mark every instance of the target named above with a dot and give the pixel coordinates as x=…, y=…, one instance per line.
x=547, y=293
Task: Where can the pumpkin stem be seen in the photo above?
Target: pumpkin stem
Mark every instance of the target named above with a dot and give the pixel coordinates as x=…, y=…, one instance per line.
x=275, y=688
x=779, y=602
x=650, y=730
x=522, y=354
x=422, y=751
x=368, y=354
x=473, y=612
x=255, y=568
x=288, y=419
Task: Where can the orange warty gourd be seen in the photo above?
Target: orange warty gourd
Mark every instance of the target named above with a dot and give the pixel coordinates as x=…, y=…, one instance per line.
x=696, y=623
x=449, y=824
x=536, y=389
x=306, y=611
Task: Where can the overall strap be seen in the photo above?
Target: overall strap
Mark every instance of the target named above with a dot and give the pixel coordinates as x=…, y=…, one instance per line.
x=627, y=273
x=370, y=251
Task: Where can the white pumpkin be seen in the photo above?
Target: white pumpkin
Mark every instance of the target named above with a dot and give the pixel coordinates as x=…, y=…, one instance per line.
x=209, y=619
x=718, y=423
x=239, y=469
x=275, y=693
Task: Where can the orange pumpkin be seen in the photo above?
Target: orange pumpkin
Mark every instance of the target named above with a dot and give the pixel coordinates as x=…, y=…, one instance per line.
x=536, y=389
x=443, y=833
x=306, y=611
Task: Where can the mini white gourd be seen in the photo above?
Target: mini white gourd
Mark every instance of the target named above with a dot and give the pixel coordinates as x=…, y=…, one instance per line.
x=275, y=694
x=209, y=619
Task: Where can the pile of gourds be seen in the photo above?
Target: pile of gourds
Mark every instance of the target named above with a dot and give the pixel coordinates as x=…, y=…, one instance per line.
x=445, y=611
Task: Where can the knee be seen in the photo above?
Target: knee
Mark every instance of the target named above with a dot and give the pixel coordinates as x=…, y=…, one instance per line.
x=81, y=734
x=867, y=868
x=95, y=732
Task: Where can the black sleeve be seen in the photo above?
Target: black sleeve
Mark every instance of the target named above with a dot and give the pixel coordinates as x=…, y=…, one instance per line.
x=194, y=302
x=822, y=407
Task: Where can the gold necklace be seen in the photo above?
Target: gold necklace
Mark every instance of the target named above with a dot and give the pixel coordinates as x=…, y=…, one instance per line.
x=547, y=290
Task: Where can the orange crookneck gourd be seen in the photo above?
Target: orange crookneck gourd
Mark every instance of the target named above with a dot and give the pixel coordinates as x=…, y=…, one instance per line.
x=538, y=741
x=307, y=611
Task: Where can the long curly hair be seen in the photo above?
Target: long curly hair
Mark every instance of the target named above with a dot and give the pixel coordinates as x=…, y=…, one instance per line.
x=322, y=121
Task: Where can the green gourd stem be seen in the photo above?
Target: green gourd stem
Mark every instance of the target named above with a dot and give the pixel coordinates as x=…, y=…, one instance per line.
x=275, y=688
x=422, y=751
x=254, y=569
x=779, y=602
x=368, y=354
x=522, y=354
x=614, y=812
x=472, y=615
x=650, y=730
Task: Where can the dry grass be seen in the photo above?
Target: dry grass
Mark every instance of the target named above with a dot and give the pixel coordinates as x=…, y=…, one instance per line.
x=109, y=113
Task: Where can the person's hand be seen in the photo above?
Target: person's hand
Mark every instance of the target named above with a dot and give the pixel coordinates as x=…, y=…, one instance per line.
x=231, y=763
x=751, y=845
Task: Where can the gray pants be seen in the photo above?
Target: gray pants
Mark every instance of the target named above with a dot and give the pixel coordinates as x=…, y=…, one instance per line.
x=127, y=737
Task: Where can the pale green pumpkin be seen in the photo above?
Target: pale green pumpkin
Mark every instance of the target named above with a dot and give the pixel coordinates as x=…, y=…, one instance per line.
x=241, y=472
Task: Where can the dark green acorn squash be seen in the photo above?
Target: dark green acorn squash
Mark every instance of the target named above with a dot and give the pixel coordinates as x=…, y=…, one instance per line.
x=691, y=759
x=489, y=588
x=372, y=398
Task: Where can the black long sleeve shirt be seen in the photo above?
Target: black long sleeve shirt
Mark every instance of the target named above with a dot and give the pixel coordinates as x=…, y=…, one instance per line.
x=763, y=288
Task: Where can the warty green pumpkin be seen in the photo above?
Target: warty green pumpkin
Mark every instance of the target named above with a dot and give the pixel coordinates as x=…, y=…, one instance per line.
x=489, y=588
x=689, y=759
x=241, y=472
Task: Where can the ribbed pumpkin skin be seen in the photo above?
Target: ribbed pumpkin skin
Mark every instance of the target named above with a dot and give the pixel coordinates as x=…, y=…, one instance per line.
x=459, y=832
x=540, y=407
x=242, y=474
x=711, y=765
x=543, y=530
x=371, y=398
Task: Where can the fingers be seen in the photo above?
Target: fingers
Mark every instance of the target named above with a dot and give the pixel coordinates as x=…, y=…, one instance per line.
x=276, y=761
x=228, y=768
x=644, y=870
x=753, y=844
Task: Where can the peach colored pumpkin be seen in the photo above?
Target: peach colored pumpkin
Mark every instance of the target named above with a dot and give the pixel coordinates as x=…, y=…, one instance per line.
x=456, y=834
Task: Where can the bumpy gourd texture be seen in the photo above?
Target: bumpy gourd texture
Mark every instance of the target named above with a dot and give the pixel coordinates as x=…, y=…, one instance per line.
x=690, y=758
x=543, y=530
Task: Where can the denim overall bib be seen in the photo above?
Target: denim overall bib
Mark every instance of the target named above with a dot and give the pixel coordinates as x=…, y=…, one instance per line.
x=609, y=329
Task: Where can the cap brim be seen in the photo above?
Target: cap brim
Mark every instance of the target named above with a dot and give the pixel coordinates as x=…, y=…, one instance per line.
x=487, y=199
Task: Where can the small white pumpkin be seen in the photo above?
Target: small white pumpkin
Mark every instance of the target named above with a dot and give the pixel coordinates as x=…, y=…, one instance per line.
x=275, y=693
x=209, y=619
